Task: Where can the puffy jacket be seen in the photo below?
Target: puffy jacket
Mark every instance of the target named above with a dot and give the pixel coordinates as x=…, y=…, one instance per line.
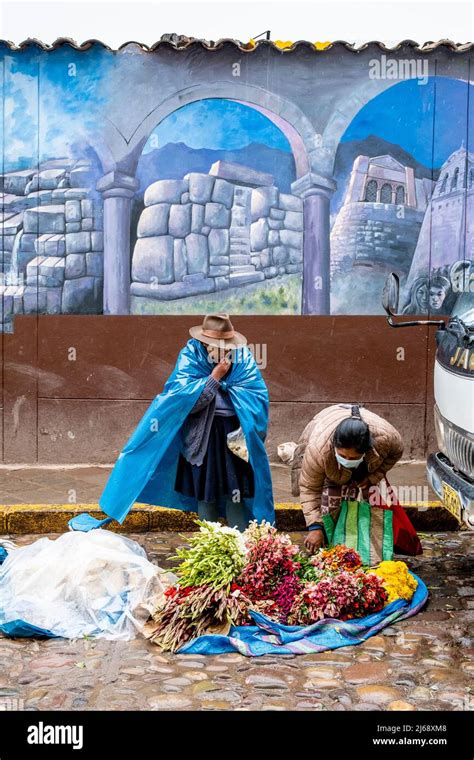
x=315, y=460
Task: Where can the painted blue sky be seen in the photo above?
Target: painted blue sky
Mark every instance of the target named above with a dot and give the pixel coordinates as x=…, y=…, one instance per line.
x=49, y=102
x=217, y=124
x=68, y=104
x=404, y=115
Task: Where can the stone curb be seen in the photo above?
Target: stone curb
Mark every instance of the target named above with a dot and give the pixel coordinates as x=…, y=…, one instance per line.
x=53, y=518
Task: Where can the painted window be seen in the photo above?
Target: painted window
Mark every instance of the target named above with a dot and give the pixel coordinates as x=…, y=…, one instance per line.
x=386, y=193
x=371, y=191
x=443, y=184
x=400, y=194
x=454, y=181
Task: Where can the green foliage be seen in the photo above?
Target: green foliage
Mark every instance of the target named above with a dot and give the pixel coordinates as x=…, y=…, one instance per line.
x=307, y=571
x=280, y=295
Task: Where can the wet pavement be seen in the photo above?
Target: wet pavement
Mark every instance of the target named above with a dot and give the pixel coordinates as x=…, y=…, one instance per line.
x=423, y=663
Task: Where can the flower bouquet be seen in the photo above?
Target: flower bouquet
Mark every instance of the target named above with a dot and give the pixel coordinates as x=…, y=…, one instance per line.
x=396, y=579
x=224, y=576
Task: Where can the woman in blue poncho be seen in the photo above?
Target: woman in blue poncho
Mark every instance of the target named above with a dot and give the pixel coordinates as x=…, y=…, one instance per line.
x=208, y=469
x=178, y=455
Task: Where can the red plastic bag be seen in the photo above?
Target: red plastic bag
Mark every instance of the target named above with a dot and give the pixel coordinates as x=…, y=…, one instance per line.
x=405, y=538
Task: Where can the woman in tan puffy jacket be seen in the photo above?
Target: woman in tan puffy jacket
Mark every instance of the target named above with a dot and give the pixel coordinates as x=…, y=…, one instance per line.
x=343, y=449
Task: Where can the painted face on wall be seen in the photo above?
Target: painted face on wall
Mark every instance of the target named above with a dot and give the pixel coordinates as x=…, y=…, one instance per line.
x=421, y=297
x=437, y=296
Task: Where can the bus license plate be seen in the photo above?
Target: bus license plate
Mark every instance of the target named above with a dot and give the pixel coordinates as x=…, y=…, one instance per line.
x=452, y=502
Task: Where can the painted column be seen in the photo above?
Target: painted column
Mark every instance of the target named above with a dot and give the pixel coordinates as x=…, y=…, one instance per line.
x=316, y=192
x=117, y=191
x=410, y=187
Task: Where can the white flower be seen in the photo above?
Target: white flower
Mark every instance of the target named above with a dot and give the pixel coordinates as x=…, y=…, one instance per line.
x=210, y=526
x=217, y=527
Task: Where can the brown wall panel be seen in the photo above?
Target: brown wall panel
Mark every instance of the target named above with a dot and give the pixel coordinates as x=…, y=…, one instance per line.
x=20, y=392
x=308, y=358
x=89, y=407
x=85, y=430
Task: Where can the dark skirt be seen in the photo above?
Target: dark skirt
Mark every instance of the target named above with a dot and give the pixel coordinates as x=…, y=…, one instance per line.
x=222, y=473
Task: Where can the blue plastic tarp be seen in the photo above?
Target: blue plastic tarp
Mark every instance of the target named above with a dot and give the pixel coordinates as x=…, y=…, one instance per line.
x=20, y=629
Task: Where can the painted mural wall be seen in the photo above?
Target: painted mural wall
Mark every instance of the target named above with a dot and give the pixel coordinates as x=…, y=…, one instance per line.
x=179, y=181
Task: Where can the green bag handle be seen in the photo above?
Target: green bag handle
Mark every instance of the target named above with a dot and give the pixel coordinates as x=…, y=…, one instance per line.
x=339, y=536
x=329, y=526
x=363, y=531
x=387, y=544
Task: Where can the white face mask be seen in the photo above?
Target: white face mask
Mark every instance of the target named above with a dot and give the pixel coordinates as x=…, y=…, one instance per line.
x=350, y=463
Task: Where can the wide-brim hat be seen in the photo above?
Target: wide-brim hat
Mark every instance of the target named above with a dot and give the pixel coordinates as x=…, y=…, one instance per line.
x=217, y=330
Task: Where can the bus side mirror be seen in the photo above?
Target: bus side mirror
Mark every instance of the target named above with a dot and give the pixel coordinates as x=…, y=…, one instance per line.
x=391, y=294
x=390, y=299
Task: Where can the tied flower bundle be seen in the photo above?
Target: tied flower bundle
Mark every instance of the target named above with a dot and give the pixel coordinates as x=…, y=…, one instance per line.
x=343, y=595
x=194, y=611
x=396, y=579
x=216, y=554
x=270, y=576
x=335, y=559
x=269, y=563
x=327, y=562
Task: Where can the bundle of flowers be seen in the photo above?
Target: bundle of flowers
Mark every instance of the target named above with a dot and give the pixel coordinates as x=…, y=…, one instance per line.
x=343, y=595
x=397, y=580
x=335, y=559
x=215, y=556
x=224, y=576
x=270, y=559
x=190, y=611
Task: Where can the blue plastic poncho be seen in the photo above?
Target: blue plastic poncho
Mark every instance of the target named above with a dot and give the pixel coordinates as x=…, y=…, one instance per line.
x=145, y=469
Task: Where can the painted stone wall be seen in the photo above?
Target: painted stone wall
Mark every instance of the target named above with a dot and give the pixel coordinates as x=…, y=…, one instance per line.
x=375, y=233
x=52, y=241
x=204, y=234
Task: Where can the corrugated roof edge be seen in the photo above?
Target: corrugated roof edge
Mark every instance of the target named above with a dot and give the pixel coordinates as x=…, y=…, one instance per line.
x=185, y=43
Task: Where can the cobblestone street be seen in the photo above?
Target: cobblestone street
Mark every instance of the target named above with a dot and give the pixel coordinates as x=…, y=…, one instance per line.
x=424, y=663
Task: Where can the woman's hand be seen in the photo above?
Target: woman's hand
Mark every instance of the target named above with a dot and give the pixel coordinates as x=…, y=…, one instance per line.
x=221, y=369
x=314, y=541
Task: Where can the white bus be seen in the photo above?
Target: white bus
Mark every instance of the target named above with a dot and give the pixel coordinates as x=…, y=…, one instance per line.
x=451, y=469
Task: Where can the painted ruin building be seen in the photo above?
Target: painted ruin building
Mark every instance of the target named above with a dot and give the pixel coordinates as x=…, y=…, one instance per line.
x=380, y=219
x=447, y=233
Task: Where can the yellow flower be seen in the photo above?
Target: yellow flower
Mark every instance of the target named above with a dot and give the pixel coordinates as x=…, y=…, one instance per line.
x=397, y=580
